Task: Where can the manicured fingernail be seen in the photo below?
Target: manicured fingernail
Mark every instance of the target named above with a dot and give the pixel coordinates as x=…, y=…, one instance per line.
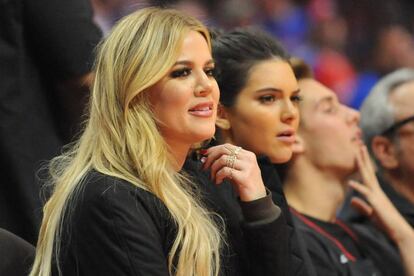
x=203, y=160
x=203, y=151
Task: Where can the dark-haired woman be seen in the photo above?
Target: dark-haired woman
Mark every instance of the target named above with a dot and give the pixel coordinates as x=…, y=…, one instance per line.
x=258, y=111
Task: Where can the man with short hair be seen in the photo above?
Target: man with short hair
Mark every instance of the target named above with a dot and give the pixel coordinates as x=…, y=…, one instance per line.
x=387, y=121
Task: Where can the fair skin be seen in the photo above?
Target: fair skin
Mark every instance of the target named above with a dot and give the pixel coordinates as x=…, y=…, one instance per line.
x=245, y=174
x=397, y=157
x=184, y=103
x=185, y=100
x=265, y=115
x=330, y=126
x=382, y=211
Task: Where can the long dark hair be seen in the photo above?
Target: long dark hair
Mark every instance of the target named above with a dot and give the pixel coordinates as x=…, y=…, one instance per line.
x=236, y=52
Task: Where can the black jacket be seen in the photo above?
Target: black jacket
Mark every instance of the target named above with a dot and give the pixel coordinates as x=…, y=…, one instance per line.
x=300, y=263
x=17, y=255
x=256, y=247
x=42, y=44
x=116, y=228
x=374, y=255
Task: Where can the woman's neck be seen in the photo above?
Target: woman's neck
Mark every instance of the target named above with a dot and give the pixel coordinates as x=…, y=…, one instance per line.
x=179, y=152
x=314, y=192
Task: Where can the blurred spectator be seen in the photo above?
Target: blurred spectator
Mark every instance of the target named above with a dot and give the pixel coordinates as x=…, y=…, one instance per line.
x=228, y=17
x=285, y=20
x=45, y=53
x=365, y=19
x=378, y=41
x=350, y=44
x=194, y=8
x=329, y=32
x=334, y=70
x=393, y=48
x=197, y=8
x=387, y=121
x=107, y=12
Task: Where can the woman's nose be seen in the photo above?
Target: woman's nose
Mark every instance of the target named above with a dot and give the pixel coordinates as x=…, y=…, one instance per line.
x=203, y=86
x=290, y=111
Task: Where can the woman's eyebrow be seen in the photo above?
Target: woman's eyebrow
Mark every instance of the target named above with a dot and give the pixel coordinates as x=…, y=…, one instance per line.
x=183, y=62
x=274, y=89
x=188, y=62
x=266, y=89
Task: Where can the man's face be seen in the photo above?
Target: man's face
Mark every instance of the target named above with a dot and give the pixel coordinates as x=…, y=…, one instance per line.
x=330, y=130
x=402, y=99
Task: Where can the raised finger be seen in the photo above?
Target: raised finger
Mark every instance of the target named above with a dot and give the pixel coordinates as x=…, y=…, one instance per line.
x=361, y=206
x=362, y=167
x=360, y=188
x=368, y=162
x=224, y=161
x=225, y=172
x=213, y=154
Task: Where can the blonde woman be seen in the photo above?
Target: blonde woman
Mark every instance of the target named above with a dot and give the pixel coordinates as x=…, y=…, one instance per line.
x=120, y=205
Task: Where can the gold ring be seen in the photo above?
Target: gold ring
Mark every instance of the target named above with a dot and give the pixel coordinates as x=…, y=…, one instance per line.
x=234, y=151
x=230, y=160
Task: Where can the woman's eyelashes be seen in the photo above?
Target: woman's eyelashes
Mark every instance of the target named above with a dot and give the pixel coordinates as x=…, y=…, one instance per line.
x=184, y=72
x=181, y=72
x=296, y=98
x=210, y=71
x=266, y=99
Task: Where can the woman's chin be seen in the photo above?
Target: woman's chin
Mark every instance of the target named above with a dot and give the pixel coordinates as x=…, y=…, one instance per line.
x=281, y=157
x=201, y=137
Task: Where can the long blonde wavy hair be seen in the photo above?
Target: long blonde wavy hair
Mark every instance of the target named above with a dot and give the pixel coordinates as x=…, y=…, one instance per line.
x=121, y=139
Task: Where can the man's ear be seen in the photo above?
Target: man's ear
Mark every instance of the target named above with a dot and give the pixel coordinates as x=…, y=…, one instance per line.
x=222, y=120
x=299, y=145
x=385, y=152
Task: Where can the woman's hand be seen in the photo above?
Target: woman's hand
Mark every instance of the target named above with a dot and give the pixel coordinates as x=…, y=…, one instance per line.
x=237, y=165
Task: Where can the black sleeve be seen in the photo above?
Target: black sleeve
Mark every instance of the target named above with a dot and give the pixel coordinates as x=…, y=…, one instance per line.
x=322, y=265
x=266, y=235
x=260, y=211
x=323, y=262
x=63, y=33
x=18, y=255
x=300, y=263
x=267, y=247
x=115, y=233
x=256, y=230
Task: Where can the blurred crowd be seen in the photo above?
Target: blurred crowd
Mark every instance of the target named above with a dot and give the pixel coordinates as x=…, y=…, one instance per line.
x=349, y=43
x=360, y=50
